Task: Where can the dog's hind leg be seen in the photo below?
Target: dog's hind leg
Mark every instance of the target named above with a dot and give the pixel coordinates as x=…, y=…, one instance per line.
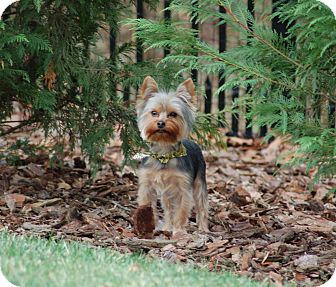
x=201, y=202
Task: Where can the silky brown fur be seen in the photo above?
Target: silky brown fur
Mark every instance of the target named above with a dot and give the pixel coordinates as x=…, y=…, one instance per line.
x=179, y=184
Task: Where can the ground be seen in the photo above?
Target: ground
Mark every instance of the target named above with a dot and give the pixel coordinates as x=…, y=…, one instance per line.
x=264, y=222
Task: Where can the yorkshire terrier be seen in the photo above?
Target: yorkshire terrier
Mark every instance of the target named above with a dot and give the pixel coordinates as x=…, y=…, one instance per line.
x=174, y=171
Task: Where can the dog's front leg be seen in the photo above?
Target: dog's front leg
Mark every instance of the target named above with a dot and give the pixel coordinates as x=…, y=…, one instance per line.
x=147, y=196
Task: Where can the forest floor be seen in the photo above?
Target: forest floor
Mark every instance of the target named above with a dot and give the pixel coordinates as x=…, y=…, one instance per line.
x=265, y=223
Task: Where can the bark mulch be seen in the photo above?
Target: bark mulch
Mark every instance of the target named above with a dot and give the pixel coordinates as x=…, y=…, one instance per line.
x=265, y=223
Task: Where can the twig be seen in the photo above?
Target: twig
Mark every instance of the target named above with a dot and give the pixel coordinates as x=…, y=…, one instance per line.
x=105, y=200
x=8, y=122
x=117, y=189
x=13, y=129
x=152, y=243
x=265, y=258
x=212, y=252
x=238, y=234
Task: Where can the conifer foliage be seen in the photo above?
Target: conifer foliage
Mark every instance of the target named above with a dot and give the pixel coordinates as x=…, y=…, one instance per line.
x=45, y=65
x=290, y=79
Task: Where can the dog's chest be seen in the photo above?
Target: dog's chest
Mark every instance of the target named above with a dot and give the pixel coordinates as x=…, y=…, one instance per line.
x=161, y=179
x=164, y=179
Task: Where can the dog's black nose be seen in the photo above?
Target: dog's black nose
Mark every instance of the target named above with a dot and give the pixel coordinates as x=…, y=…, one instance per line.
x=161, y=124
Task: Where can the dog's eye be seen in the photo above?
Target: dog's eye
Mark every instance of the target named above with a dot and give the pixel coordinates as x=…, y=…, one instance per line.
x=172, y=115
x=154, y=113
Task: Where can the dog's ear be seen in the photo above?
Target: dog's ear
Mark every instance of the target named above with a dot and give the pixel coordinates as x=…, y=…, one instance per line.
x=187, y=91
x=149, y=86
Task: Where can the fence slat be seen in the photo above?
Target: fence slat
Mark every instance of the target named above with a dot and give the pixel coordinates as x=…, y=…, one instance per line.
x=277, y=25
x=222, y=48
x=126, y=95
x=194, y=25
x=248, y=128
x=281, y=28
x=113, y=46
x=208, y=93
x=140, y=14
x=332, y=115
x=167, y=18
x=235, y=118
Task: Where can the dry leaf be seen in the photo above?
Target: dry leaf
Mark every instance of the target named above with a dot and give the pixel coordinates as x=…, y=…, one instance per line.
x=300, y=276
x=215, y=247
x=15, y=200
x=50, y=77
x=198, y=242
x=37, y=170
x=125, y=232
x=64, y=185
x=93, y=220
x=277, y=278
x=272, y=151
x=247, y=256
x=240, y=197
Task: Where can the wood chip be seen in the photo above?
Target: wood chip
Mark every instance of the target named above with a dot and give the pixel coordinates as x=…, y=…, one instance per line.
x=29, y=207
x=151, y=243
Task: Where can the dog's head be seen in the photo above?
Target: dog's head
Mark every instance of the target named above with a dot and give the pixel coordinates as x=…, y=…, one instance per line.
x=166, y=117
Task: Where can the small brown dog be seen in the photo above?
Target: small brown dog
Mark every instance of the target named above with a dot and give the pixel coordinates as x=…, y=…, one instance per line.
x=174, y=171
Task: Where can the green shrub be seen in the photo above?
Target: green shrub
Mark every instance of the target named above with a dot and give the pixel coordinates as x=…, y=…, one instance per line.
x=45, y=66
x=291, y=79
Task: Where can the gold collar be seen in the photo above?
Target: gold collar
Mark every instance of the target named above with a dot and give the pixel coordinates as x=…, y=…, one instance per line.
x=164, y=158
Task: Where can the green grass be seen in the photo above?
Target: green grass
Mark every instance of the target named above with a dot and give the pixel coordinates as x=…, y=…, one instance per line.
x=35, y=262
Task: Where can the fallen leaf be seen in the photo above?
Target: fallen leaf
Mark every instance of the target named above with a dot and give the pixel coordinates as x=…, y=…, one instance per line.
x=247, y=256
x=300, y=276
x=96, y=222
x=64, y=185
x=125, y=232
x=198, y=242
x=37, y=170
x=213, y=247
x=277, y=278
x=15, y=200
x=322, y=191
x=240, y=197
x=182, y=238
x=272, y=151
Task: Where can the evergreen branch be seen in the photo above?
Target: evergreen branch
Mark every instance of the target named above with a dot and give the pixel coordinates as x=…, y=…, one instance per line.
x=251, y=32
x=245, y=69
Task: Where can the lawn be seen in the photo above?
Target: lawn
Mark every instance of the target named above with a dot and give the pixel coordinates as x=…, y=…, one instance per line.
x=30, y=261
